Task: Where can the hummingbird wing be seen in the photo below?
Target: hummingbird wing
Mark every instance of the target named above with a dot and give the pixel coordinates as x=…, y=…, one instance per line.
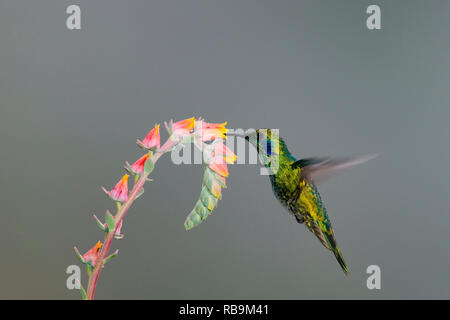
x=318, y=169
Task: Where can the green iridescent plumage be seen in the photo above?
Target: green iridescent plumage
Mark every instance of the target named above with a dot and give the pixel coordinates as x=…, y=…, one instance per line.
x=293, y=184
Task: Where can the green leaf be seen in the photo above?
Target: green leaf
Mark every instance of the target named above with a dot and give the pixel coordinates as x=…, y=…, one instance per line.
x=148, y=166
x=141, y=192
x=112, y=255
x=128, y=168
x=208, y=179
x=188, y=224
x=208, y=199
x=110, y=222
x=89, y=268
x=83, y=293
x=197, y=215
x=79, y=256
x=210, y=176
x=100, y=224
x=201, y=210
x=206, y=202
x=192, y=220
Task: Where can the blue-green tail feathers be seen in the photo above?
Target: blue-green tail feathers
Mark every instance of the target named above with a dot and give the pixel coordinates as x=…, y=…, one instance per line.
x=337, y=253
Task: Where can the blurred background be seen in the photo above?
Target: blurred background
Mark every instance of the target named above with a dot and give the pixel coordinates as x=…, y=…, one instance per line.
x=73, y=102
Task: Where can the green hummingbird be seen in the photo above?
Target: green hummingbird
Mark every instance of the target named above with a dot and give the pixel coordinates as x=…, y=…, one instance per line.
x=294, y=183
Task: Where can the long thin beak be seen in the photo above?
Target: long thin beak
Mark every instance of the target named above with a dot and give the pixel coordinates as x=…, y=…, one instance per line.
x=235, y=134
x=242, y=135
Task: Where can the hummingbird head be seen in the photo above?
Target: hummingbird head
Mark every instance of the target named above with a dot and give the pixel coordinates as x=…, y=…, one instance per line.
x=266, y=141
x=258, y=138
x=269, y=145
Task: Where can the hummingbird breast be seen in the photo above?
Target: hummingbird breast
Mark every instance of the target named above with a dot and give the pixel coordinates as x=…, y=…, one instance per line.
x=286, y=187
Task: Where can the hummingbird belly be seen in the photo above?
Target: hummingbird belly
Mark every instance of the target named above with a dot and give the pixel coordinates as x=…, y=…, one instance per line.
x=287, y=190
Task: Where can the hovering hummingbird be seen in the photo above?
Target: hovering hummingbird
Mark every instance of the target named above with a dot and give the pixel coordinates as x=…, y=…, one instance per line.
x=294, y=183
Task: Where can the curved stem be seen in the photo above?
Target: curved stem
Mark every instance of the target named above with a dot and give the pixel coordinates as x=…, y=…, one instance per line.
x=93, y=279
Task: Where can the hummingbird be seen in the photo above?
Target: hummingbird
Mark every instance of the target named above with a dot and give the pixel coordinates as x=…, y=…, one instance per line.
x=294, y=183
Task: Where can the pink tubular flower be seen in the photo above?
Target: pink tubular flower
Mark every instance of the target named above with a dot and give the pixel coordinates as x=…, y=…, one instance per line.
x=220, y=156
x=152, y=140
x=211, y=131
x=221, y=150
x=120, y=191
x=92, y=255
x=138, y=166
x=183, y=127
x=222, y=180
x=219, y=167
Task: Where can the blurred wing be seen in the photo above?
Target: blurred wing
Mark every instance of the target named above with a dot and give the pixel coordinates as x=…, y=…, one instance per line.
x=318, y=169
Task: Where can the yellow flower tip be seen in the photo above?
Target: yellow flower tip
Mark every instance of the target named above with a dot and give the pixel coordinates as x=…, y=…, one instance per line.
x=124, y=179
x=186, y=124
x=230, y=159
x=97, y=246
x=191, y=122
x=220, y=125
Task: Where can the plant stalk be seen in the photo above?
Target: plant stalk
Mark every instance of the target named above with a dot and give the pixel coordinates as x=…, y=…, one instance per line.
x=93, y=278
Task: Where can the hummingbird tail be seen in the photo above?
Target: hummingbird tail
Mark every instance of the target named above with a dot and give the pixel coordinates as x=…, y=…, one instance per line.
x=340, y=260
x=337, y=253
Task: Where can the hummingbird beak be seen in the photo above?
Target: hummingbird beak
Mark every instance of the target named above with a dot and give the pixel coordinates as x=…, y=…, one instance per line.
x=241, y=135
x=235, y=134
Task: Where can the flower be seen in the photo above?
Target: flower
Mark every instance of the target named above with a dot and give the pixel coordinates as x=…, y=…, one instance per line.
x=221, y=180
x=218, y=167
x=183, y=127
x=211, y=131
x=221, y=150
x=92, y=255
x=138, y=166
x=220, y=155
x=120, y=191
x=152, y=140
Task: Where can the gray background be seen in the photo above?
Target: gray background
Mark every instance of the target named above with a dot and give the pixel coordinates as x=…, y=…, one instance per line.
x=73, y=103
